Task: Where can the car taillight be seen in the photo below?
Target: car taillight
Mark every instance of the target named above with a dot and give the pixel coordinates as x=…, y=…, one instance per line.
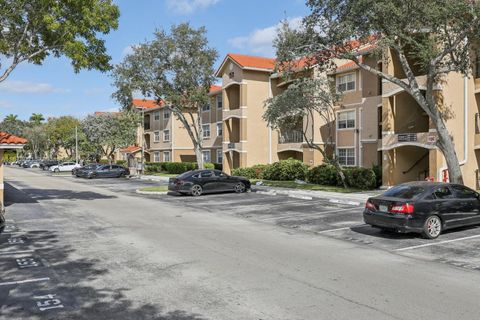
x=406, y=208
x=370, y=206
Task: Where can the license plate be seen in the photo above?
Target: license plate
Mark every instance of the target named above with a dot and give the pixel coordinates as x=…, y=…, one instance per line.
x=382, y=208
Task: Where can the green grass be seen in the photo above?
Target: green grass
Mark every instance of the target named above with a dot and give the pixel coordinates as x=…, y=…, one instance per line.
x=307, y=186
x=161, y=174
x=155, y=189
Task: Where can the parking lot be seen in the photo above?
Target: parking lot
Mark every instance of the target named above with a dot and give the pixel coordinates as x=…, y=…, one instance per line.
x=459, y=247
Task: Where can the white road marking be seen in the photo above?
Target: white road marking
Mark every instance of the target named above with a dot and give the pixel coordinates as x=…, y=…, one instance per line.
x=437, y=243
x=16, y=252
x=346, y=228
x=24, y=281
x=300, y=197
x=306, y=215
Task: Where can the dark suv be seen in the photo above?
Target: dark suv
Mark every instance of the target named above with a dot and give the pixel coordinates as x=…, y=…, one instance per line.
x=46, y=164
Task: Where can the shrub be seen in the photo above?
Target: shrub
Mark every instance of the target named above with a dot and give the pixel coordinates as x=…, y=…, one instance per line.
x=324, y=174
x=361, y=178
x=176, y=167
x=248, y=173
x=153, y=167
x=121, y=162
x=285, y=170
x=209, y=165
x=378, y=175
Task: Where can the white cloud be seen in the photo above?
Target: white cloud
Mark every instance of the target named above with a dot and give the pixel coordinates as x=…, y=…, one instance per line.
x=5, y=104
x=127, y=50
x=260, y=41
x=29, y=87
x=189, y=6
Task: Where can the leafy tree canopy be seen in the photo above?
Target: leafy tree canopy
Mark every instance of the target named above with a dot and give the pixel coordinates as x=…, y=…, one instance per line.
x=30, y=31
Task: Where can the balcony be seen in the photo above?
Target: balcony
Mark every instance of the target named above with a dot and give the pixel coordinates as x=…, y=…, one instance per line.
x=290, y=141
x=234, y=113
x=477, y=131
x=426, y=140
x=233, y=146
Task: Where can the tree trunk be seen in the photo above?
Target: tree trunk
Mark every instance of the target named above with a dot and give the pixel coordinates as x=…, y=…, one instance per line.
x=198, y=153
x=445, y=144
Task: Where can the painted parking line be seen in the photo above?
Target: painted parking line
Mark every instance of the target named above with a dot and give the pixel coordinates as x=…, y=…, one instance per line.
x=437, y=243
x=9, y=283
x=306, y=215
x=345, y=228
x=15, y=252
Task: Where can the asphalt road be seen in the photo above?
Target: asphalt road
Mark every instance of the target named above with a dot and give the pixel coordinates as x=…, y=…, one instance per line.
x=96, y=250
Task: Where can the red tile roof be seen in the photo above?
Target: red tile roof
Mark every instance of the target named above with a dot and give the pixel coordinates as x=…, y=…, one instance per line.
x=253, y=62
x=147, y=104
x=130, y=149
x=7, y=138
x=214, y=88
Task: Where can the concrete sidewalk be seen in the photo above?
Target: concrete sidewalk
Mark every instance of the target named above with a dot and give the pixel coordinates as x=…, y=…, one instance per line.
x=355, y=199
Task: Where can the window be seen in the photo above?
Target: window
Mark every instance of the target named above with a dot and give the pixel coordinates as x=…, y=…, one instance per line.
x=346, y=120
x=219, y=156
x=443, y=193
x=166, y=135
x=166, y=114
x=463, y=193
x=219, y=128
x=156, y=156
x=156, y=137
x=206, y=130
x=346, y=82
x=156, y=116
x=219, y=102
x=206, y=174
x=166, y=156
x=404, y=192
x=346, y=156
x=219, y=173
x=206, y=107
x=206, y=156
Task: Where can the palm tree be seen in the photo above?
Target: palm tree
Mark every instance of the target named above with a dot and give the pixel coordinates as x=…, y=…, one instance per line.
x=11, y=118
x=36, y=118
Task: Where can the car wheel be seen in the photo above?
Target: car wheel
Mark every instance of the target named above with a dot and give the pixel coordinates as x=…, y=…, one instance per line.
x=197, y=190
x=239, y=187
x=91, y=176
x=432, y=227
x=56, y=170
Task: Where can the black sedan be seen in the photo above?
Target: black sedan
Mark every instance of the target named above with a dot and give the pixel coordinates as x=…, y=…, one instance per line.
x=424, y=207
x=101, y=171
x=197, y=182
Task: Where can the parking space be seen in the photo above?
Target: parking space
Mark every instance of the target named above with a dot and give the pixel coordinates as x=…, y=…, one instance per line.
x=459, y=247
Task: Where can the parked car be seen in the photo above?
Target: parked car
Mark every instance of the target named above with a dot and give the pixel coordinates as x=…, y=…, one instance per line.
x=101, y=171
x=198, y=182
x=34, y=164
x=46, y=164
x=66, y=166
x=428, y=208
x=26, y=163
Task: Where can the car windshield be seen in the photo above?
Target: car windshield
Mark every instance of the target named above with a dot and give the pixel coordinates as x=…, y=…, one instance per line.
x=91, y=166
x=404, y=192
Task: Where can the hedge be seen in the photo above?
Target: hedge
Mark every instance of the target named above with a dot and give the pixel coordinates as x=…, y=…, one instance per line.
x=121, y=162
x=174, y=167
x=361, y=178
x=324, y=174
x=286, y=170
x=255, y=172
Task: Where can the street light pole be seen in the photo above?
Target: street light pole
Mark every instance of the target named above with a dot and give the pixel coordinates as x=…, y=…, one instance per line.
x=76, y=144
x=143, y=142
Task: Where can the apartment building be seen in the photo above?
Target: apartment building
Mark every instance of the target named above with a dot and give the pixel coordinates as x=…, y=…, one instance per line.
x=408, y=143
x=248, y=81
x=166, y=139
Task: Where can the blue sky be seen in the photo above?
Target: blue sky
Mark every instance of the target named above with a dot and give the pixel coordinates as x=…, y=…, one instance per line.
x=53, y=89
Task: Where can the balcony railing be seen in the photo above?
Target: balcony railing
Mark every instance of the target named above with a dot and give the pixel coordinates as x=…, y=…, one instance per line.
x=290, y=137
x=477, y=123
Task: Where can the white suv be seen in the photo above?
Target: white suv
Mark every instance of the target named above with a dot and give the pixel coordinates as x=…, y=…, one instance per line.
x=66, y=166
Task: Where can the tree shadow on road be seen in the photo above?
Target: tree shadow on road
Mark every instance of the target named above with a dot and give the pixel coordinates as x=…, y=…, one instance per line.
x=78, y=281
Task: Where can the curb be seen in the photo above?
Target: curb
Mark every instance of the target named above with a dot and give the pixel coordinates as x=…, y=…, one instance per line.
x=151, y=192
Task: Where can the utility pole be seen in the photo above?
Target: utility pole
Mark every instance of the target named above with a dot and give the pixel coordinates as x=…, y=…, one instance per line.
x=143, y=142
x=76, y=144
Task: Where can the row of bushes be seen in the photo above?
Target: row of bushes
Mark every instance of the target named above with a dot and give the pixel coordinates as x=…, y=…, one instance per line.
x=177, y=167
x=289, y=170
